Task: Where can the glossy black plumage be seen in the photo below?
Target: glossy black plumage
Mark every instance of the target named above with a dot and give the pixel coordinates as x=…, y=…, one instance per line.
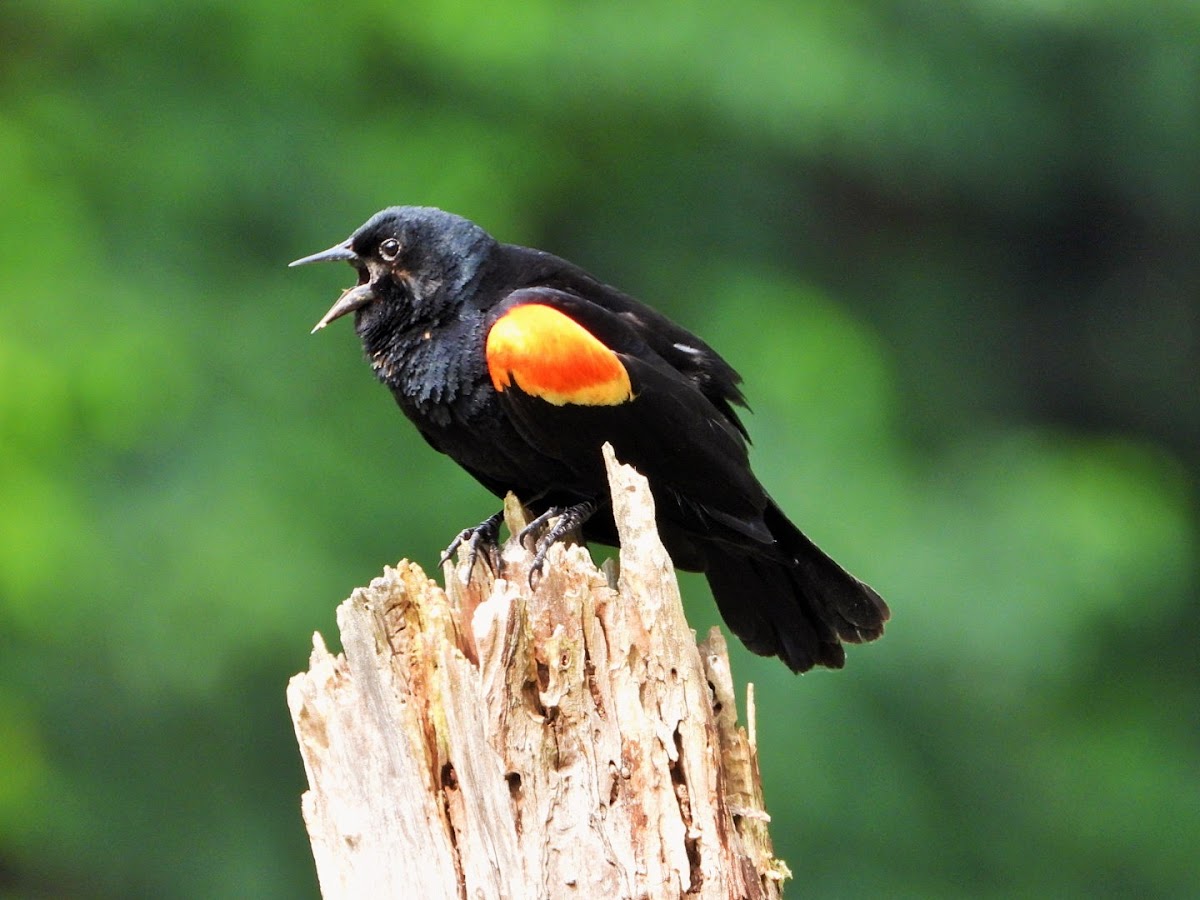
x=480, y=344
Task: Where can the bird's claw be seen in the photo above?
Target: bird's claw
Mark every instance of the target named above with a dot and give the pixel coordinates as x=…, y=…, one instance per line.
x=539, y=561
x=524, y=536
x=569, y=519
x=482, y=540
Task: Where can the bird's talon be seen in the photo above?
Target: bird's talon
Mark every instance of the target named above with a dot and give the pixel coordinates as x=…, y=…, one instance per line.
x=481, y=540
x=453, y=547
x=536, y=568
x=524, y=536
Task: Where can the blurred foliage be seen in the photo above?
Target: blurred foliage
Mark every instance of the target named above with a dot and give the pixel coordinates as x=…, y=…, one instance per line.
x=952, y=248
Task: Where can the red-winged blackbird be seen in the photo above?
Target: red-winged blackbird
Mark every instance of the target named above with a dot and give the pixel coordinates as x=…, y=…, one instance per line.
x=520, y=365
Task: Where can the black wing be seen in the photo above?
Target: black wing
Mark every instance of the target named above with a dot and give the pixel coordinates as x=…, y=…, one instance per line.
x=573, y=374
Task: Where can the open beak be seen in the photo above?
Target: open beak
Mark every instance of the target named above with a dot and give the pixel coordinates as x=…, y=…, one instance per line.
x=352, y=298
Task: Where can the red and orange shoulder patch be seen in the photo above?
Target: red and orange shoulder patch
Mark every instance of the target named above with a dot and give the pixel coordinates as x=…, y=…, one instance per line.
x=548, y=354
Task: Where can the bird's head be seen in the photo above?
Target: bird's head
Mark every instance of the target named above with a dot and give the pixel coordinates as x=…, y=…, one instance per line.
x=412, y=262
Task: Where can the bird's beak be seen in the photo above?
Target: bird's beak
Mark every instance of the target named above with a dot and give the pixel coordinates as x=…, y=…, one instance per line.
x=353, y=298
x=341, y=252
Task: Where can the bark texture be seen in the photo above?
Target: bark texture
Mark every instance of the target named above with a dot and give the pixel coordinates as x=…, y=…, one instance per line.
x=495, y=740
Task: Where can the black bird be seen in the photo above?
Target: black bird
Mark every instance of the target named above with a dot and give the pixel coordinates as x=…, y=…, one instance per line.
x=520, y=365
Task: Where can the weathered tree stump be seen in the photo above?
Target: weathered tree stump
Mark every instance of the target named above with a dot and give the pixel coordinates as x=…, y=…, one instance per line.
x=498, y=741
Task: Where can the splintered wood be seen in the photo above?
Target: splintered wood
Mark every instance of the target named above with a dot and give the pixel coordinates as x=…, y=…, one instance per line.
x=498, y=741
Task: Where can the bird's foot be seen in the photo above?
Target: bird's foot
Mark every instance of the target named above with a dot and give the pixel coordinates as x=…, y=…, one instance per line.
x=569, y=518
x=483, y=542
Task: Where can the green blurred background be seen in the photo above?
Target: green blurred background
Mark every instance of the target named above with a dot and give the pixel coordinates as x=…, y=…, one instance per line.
x=952, y=247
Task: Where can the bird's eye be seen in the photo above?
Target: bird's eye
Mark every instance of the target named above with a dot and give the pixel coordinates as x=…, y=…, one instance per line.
x=389, y=249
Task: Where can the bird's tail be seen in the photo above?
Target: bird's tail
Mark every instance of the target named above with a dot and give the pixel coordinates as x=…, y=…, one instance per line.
x=796, y=603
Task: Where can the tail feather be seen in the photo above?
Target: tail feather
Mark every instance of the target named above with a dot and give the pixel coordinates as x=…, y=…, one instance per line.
x=793, y=602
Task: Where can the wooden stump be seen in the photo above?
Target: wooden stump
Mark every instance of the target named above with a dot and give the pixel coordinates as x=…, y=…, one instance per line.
x=498, y=741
